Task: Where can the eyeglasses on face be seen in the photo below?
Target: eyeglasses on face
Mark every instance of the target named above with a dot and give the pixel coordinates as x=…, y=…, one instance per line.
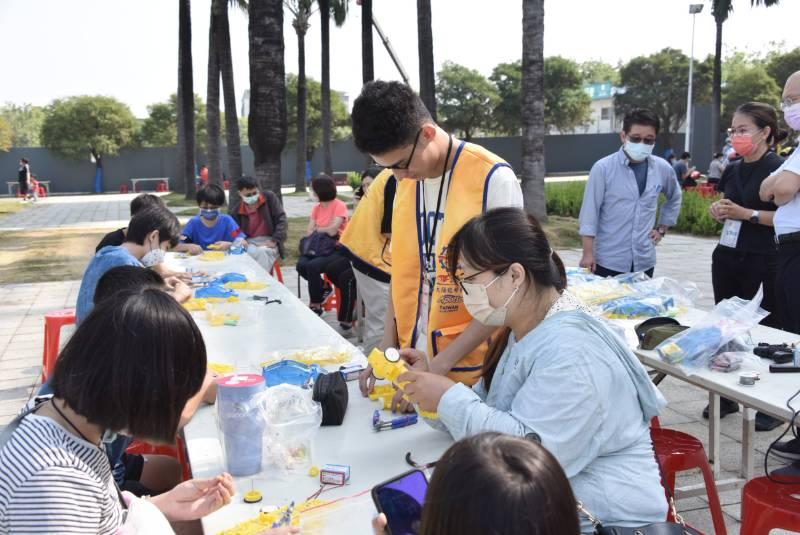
x=461, y=281
x=639, y=139
x=788, y=102
x=398, y=166
x=741, y=131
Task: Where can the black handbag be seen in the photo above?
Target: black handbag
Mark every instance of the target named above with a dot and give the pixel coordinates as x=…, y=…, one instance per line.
x=657, y=528
x=330, y=391
x=317, y=244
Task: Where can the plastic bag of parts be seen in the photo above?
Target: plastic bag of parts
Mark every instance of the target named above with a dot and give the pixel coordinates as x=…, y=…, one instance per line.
x=291, y=420
x=683, y=293
x=630, y=278
x=579, y=275
x=638, y=306
x=694, y=347
x=729, y=361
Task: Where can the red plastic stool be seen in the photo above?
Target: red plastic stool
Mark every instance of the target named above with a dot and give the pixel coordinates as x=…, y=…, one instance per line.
x=276, y=272
x=178, y=451
x=678, y=452
x=123, y=188
x=332, y=303
x=161, y=186
x=42, y=191
x=767, y=505
x=53, y=322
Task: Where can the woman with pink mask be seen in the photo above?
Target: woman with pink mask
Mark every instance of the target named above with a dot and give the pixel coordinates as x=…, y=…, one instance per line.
x=745, y=258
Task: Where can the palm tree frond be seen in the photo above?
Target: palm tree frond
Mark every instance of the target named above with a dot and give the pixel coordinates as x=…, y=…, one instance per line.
x=765, y=3
x=339, y=11
x=240, y=4
x=720, y=9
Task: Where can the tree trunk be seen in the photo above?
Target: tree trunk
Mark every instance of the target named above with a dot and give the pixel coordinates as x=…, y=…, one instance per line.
x=716, y=90
x=267, y=121
x=213, y=148
x=427, y=80
x=185, y=100
x=325, y=91
x=300, y=167
x=233, y=141
x=367, y=65
x=533, y=108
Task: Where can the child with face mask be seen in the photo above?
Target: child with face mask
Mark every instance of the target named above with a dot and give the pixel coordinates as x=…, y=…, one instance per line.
x=210, y=229
x=550, y=373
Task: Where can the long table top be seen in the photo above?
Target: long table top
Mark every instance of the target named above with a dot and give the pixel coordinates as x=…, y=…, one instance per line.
x=373, y=457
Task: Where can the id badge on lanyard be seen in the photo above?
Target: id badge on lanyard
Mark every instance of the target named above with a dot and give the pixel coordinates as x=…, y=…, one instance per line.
x=730, y=233
x=430, y=271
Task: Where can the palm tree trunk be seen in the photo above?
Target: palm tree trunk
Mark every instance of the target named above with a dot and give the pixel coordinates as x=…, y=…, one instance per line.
x=716, y=91
x=367, y=64
x=325, y=90
x=427, y=80
x=185, y=100
x=267, y=122
x=233, y=141
x=213, y=156
x=300, y=168
x=533, y=108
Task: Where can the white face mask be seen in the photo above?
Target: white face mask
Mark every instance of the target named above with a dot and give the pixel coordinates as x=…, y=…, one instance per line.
x=477, y=302
x=154, y=256
x=638, y=152
x=251, y=199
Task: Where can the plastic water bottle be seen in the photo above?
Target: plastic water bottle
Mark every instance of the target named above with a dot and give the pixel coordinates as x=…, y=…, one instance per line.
x=238, y=246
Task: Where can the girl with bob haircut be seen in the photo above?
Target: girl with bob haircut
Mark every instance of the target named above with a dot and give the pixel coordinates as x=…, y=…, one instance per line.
x=130, y=367
x=495, y=483
x=554, y=374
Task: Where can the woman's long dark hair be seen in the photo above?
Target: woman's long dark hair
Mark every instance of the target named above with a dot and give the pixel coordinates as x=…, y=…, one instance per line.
x=493, y=483
x=495, y=240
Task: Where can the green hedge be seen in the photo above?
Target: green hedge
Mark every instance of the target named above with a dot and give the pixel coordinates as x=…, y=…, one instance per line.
x=564, y=199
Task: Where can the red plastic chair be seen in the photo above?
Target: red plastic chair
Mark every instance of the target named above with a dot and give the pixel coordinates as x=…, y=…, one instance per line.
x=123, y=188
x=333, y=301
x=53, y=322
x=678, y=452
x=276, y=272
x=161, y=186
x=178, y=451
x=767, y=505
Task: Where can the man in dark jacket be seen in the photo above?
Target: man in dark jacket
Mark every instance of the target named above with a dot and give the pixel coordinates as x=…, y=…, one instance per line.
x=261, y=217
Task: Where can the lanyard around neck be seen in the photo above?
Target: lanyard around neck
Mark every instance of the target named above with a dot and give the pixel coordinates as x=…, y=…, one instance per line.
x=430, y=233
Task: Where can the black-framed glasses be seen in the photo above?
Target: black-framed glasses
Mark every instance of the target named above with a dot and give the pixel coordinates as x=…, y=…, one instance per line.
x=646, y=140
x=743, y=131
x=410, y=156
x=468, y=279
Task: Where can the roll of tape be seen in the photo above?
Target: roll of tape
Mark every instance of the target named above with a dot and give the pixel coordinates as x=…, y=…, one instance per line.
x=748, y=378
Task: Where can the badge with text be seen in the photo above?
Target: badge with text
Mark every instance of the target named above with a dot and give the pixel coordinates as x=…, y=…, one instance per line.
x=730, y=233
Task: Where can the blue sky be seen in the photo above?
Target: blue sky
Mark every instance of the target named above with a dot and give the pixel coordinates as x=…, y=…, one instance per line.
x=128, y=48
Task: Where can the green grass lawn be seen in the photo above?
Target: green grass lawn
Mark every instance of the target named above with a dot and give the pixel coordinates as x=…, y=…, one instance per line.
x=11, y=206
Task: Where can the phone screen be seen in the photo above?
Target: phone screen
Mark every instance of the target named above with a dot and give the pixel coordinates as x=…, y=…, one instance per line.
x=401, y=501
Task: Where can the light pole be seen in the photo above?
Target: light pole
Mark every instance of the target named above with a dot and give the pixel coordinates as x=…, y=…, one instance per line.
x=694, y=9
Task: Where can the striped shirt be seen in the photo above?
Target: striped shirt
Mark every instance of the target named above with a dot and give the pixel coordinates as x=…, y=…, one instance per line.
x=53, y=482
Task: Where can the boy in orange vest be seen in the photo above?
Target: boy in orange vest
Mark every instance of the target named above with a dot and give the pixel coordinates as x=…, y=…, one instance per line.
x=442, y=183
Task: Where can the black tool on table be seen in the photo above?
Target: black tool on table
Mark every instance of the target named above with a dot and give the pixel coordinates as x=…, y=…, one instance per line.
x=783, y=369
x=266, y=299
x=779, y=353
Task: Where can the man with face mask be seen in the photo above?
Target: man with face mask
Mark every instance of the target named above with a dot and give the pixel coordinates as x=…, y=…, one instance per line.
x=618, y=214
x=260, y=215
x=442, y=183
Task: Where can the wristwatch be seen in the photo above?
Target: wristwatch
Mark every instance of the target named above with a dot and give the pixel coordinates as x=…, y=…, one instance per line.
x=754, y=217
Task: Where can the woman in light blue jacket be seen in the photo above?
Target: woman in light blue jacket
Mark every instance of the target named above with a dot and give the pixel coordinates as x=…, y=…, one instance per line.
x=555, y=374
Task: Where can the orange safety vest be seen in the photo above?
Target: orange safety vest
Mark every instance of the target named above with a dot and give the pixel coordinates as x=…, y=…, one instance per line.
x=473, y=167
x=369, y=250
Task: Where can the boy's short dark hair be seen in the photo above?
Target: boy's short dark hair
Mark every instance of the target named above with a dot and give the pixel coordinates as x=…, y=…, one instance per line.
x=718, y=155
x=685, y=156
x=386, y=116
x=132, y=365
x=160, y=219
x=211, y=194
x=641, y=116
x=246, y=182
x=121, y=278
x=324, y=187
x=24, y=160
x=144, y=201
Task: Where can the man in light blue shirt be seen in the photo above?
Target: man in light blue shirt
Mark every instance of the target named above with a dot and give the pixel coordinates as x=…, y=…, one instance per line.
x=618, y=214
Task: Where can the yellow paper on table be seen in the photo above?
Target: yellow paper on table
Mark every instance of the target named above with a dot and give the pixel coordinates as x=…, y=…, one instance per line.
x=322, y=356
x=264, y=521
x=219, y=368
x=212, y=256
x=246, y=285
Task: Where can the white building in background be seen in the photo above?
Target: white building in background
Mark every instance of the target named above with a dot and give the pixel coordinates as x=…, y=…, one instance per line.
x=602, y=118
x=245, y=103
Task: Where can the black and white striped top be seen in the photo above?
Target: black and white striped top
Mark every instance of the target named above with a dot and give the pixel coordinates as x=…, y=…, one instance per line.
x=53, y=482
